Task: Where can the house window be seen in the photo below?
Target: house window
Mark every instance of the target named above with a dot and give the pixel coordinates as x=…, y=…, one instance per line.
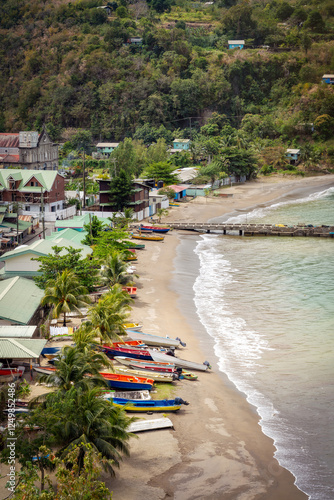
x=31, y=183
x=53, y=209
x=27, y=208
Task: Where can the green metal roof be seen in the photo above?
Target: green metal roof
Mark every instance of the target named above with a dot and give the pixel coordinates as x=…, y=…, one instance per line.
x=78, y=221
x=19, y=300
x=22, y=348
x=68, y=234
x=17, y=331
x=23, y=224
x=44, y=247
x=3, y=209
x=45, y=177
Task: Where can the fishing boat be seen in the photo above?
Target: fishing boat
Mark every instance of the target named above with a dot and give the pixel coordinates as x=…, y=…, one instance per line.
x=157, y=377
x=174, y=204
x=129, y=258
x=50, y=350
x=147, y=237
x=44, y=370
x=8, y=372
x=134, y=326
x=154, y=229
x=135, y=353
x=129, y=382
x=162, y=357
x=136, y=246
x=154, y=340
x=128, y=343
x=140, y=364
x=131, y=290
x=152, y=405
x=110, y=393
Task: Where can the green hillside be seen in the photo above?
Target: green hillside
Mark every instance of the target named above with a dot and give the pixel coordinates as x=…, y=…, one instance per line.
x=69, y=65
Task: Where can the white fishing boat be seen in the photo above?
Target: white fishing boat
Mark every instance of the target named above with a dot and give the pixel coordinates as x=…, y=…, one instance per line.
x=157, y=377
x=153, y=340
x=183, y=363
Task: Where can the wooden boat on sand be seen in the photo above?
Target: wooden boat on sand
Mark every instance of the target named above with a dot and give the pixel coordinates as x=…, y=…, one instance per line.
x=162, y=357
x=139, y=364
x=154, y=229
x=44, y=370
x=128, y=343
x=157, y=377
x=147, y=237
x=128, y=352
x=153, y=405
x=154, y=340
x=11, y=372
x=128, y=382
x=131, y=290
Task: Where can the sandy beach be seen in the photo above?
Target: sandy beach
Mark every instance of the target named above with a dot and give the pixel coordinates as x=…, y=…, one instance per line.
x=217, y=449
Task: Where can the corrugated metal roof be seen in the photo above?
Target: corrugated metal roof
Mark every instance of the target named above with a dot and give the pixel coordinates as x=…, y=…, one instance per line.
x=68, y=234
x=9, y=140
x=107, y=144
x=19, y=299
x=44, y=247
x=18, y=331
x=179, y=188
x=21, y=349
x=45, y=177
x=8, y=158
x=78, y=221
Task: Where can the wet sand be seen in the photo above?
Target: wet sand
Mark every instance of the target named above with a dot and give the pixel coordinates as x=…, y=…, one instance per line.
x=217, y=449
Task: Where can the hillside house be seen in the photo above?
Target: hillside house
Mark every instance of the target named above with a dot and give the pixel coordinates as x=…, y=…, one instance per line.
x=104, y=149
x=293, y=155
x=328, y=79
x=139, y=201
x=157, y=201
x=28, y=150
x=135, y=40
x=236, y=44
x=180, y=191
x=180, y=145
x=15, y=309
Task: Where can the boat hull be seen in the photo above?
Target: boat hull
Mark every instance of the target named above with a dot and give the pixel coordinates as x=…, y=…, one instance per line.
x=111, y=352
x=154, y=340
x=154, y=229
x=152, y=405
x=161, y=357
x=157, y=377
x=138, y=364
x=128, y=382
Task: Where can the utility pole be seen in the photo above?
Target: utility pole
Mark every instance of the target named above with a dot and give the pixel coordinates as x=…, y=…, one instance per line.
x=42, y=209
x=90, y=225
x=17, y=224
x=84, y=182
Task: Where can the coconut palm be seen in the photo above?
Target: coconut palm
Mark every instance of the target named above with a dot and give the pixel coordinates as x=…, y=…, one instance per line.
x=114, y=270
x=88, y=420
x=65, y=294
x=107, y=317
x=76, y=368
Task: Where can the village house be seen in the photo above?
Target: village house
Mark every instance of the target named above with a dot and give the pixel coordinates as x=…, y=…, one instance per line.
x=104, y=149
x=20, y=301
x=328, y=79
x=236, y=44
x=293, y=155
x=139, y=201
x=157, y=201
x=180, y=145
x=28, y=150
x=32, y=188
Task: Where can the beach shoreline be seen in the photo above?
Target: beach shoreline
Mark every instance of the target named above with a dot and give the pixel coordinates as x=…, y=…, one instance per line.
x=217, y=449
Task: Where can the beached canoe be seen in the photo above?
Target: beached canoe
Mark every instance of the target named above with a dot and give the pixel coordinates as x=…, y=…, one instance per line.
x=162, y=357
x=131, y=290
x=128, y=343
x=128, y=382
x=153, y=405
x=147, y=237
x=14, y=371
x=157, y=377
x=136, y=246
x=133, y=326
x=139, y=364
x=154, y=229
x=44, y=370
x=135, y=353
x=110, y=393
x=50, y=350
x=154, y=340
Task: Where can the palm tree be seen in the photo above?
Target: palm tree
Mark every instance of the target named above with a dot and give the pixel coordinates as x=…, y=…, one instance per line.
x=76, y=368
x=90, y=421
x=107, y=316
x=114, y=270
x=65, y=294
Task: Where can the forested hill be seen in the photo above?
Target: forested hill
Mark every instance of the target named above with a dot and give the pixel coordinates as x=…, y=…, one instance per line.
x=71, y=65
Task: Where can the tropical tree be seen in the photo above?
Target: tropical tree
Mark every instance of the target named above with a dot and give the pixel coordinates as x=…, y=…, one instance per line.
x=77, y=368
x=109, y=314
x=161, y=212
x=88, y=421
x=161, y=171
x=121, y=189
x=65, y=294
x=114, y=270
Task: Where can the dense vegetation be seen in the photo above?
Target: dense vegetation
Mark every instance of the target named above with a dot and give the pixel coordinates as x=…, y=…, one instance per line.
x=70, y=66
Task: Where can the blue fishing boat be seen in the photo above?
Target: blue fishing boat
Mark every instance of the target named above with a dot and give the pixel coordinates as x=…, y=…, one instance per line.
x=151, y=405
x=118, y=381
x=50, y=350
x=154, y=229
x=135, y=353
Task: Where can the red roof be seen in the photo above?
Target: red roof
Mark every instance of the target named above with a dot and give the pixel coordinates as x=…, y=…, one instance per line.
x=179, y=188
x=5, y=158
x=9, y=140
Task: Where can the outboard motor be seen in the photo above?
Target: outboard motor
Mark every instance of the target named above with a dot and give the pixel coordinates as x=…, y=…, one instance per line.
x=177, y=375
x=207, y=364
x=180, y=401
x=182, y=343
x=170, y=352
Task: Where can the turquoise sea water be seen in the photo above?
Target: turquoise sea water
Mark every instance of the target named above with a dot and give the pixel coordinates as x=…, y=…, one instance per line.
x=268, y=306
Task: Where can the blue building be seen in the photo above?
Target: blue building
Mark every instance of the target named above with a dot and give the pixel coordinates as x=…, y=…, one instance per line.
x=328, y=79
x=181, y=145
x=236, y=44
x=293, y=155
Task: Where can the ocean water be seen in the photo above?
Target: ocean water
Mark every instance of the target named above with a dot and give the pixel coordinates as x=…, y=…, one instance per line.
x=267, y=305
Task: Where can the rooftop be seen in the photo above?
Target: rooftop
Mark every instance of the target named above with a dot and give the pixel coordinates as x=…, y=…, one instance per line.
x=45, y=178
x=19, y=300
x=44, y=247
x=21, y=349
x=78, y=221
x=17, y=331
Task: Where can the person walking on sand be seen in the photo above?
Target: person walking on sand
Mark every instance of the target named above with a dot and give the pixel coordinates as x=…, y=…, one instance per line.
x=40, y=237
